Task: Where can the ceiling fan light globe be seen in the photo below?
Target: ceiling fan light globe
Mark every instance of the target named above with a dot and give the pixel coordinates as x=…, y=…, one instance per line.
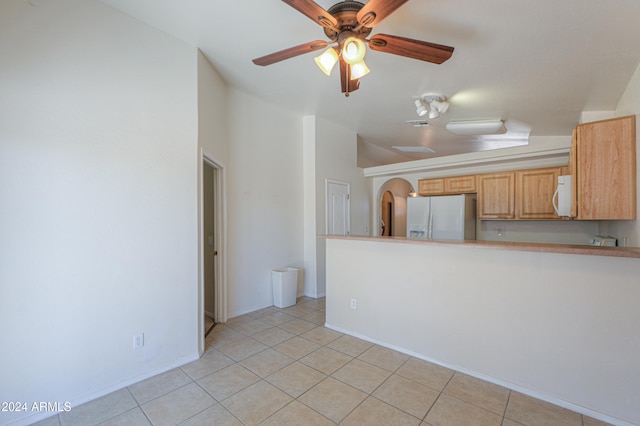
x=359, y=70
x=327, y=60
x=353, y=50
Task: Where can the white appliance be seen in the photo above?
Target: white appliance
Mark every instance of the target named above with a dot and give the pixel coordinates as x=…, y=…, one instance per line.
x=446, y=217
x=562, y=198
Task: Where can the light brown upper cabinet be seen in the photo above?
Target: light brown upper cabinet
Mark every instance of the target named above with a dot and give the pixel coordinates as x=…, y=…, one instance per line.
x=604, y=168
x=448, y=185
x=427, y=187
x=496, y=196
x=460, y=185
x=534, y=191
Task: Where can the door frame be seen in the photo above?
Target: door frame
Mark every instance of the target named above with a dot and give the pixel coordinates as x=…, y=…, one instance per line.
x=220, y=244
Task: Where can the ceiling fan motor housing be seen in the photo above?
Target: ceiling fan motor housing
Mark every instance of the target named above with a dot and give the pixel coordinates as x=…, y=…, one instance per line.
x=346, y=13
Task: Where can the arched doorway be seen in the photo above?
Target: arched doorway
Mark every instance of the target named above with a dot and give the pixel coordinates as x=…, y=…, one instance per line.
x=386, y=214
x=392, y=202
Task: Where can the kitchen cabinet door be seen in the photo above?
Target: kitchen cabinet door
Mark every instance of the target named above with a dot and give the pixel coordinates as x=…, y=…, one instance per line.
x=496, y=196
x=573, y=166
x=534, y=191
x=606, y=169
x=428, y=187
x=460, y=185
x=448, y=185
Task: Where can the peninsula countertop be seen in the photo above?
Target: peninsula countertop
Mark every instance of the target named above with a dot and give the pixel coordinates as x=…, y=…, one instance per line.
x=632, y=252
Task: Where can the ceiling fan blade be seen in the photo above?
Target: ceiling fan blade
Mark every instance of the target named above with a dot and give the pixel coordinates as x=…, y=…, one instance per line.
x=290, y=52
x=416, y=49
x=346, y=83
x=376, y=10
x=314, y=11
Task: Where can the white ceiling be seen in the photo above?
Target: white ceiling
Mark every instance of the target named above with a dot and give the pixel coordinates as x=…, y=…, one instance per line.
x=537, y=64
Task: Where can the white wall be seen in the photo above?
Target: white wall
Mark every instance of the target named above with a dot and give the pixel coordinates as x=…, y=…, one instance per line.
x=330, y=152
x=264, y=199
x=336, y=155
x=559, y=327
x=213, y=112
x=213, y=142
x=98, y=141
x=310, y=220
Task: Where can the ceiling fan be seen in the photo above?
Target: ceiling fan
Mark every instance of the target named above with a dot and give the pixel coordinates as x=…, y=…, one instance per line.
x=347, y=24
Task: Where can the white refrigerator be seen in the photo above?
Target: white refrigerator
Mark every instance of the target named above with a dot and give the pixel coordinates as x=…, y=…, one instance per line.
x=445, y=217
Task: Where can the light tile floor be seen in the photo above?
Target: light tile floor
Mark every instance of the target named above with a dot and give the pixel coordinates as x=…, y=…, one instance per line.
x=283, y=367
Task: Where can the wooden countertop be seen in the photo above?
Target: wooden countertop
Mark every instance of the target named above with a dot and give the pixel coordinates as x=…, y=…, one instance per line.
x=632, y=252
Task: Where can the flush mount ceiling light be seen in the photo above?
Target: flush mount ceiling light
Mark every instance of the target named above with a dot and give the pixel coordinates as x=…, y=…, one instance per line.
x=431, y=105
x=477, y=127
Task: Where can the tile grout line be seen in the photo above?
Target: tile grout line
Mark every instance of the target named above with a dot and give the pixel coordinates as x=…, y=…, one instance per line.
x=244, y=323
x=211, y=406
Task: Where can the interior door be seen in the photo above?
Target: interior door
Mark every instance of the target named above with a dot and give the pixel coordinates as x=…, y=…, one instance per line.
x=209, y=239
x=338, y=207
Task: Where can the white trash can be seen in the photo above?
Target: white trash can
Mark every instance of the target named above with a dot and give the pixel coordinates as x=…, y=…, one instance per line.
x=285, y=286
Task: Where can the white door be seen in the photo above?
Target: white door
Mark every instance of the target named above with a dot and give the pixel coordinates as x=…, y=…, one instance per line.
x=418, y=214
x=337, y=207
x=447, y=213
x=212, y=299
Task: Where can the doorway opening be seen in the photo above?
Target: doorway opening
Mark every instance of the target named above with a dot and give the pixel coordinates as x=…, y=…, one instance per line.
x=212, y=303
x=387, y=216
x=392, y=204
x=209, y=247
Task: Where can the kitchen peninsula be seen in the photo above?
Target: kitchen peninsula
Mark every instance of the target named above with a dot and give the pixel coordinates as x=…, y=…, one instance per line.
x=633, y=252
x=556, y=322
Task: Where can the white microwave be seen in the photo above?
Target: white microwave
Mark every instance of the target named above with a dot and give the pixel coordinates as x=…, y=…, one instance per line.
x=562, y=198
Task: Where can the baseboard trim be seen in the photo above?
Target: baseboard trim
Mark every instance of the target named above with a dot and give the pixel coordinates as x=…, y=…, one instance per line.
x=315, y=295
x=561, y=403
x=30, y=419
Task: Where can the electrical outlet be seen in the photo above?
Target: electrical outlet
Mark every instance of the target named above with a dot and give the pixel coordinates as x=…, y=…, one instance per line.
x=354, y=303
x=138, y=341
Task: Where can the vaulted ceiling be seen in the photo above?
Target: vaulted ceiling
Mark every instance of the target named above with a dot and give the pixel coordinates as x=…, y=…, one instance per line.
x=534, y=64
